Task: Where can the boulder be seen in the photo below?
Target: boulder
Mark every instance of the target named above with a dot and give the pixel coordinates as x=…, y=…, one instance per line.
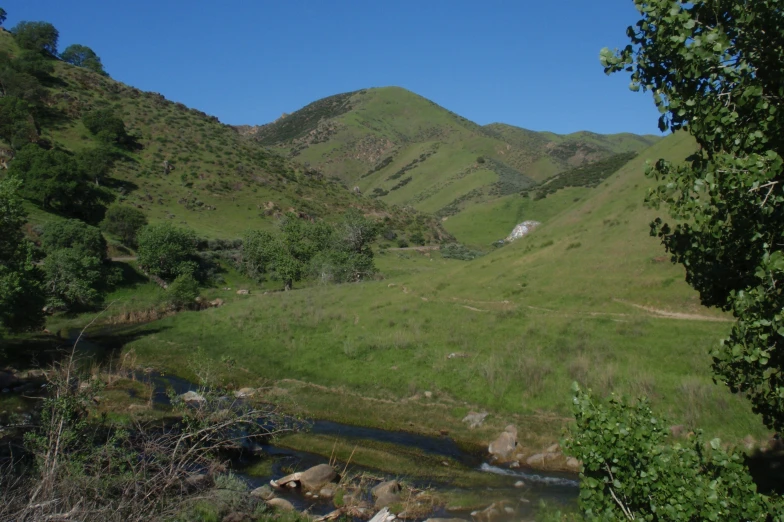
x=243, y=292
x=387, y=499
x=327, y=492
x=390, y=487
x=536, y=460
x=504, y=446
x=444, y=520
x=317, y=477
x=264, y=492
x=572, y=464
x=192, y=397
x=474, y=419
x=281, y=504
x=215, y=303
x=555, y=448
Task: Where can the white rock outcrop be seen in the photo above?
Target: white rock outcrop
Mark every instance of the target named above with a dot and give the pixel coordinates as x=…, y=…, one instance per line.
x=522, y=230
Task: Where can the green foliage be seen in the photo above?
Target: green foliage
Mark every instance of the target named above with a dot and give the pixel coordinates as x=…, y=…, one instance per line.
x=3, y=15
x=54, y=179
x=339, y=253
x=37, y=36
x=709, y=74
x=105, y=125
x=21, y=289
x=166, y=251
x=590, y=175
x=76, y=275
x=73, y=233
x=631, y=470
x=124, y=222
x=183, y=291
x=458, y=251
x=74, y=279
x=83, y=56
x=17, y=126
x=96, y=163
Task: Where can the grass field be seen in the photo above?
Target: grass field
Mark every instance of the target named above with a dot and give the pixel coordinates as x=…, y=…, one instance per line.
x=584, y=298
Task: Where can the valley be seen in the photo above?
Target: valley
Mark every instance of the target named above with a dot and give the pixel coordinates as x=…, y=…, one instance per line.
x=197, y=317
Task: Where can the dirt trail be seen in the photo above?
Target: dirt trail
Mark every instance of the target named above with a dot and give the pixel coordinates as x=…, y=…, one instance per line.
x=675, y=315
x=123, y=258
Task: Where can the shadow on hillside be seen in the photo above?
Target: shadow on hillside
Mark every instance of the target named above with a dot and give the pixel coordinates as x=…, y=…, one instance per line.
x=767, y=469
x=120, y=185
x=44, y=350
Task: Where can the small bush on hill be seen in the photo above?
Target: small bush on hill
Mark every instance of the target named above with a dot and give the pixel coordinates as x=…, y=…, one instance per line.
x=461, y=252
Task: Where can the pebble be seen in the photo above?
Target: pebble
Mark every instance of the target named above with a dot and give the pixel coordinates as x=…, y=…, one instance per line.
x=519, y=484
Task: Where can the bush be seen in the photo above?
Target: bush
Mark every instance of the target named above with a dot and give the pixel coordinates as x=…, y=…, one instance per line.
x=183, y=291
x=402, y=243
x=124, y=222
x=167, y=251
x=76, y=234
x=629, y=466
x=461, y=252
x=105, y=125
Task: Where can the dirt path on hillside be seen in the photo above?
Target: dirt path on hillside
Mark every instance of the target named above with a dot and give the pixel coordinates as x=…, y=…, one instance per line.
x=675, y=315
x=123, y=259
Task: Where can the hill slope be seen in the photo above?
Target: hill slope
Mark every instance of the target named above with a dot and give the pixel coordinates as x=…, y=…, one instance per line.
x=406, y=150
x=216, y=182
x=587, y=297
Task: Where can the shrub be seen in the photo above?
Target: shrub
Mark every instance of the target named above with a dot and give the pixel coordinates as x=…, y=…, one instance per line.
x=124, y=222
x=167, y=251
x=183, y=291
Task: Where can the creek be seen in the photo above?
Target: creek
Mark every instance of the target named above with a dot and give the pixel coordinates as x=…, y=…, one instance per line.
x=481, y=483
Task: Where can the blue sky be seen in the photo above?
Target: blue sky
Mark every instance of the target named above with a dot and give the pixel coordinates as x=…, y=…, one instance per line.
x=528, y=63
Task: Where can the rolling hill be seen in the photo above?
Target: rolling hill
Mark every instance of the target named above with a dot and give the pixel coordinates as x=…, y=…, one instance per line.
x=214, y=181
x=406, y=150
x=589, y=296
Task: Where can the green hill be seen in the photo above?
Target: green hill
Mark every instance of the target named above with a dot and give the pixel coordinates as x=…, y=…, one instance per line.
x=587, y=297
x=217, y=182
x=404, y=149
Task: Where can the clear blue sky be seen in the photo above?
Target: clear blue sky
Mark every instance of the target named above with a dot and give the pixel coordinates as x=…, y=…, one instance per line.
x=528, y=63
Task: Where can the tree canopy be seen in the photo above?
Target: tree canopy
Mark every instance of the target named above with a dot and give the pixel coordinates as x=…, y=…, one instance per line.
x=714, y=68
x=21, y=281
x=83, y=56
x=105, y=125
x=37, y=36
x=3, y=15
x=53, y=178
x=331, y=253
x=167, y=251
x=124, y=222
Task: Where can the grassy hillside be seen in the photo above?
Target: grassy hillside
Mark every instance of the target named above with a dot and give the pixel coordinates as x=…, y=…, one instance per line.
x=587, y=297
x=404, y=149
x=218, y=183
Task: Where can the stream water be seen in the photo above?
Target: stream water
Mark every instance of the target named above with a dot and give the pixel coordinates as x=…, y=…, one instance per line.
x=551, y=487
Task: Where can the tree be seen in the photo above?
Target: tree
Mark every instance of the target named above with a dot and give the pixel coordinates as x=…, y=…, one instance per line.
x=74, y=278
x=714, y=68
x=105, y=125
x=124, y=222
x=75, y=268
x=37, y=36
x=95, y=163
x=17, y=126
x=167, y=251
x=83, y=56
x=73, y=233
x=21, y=281
x=54, y=179
x=3, y=15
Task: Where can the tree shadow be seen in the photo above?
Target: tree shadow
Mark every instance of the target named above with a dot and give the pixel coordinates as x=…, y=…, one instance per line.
x=767, y=469
x=99, y=345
